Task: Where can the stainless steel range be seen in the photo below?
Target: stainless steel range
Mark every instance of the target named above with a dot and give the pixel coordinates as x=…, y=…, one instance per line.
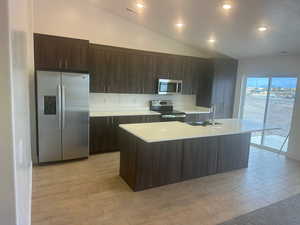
x=165, y=107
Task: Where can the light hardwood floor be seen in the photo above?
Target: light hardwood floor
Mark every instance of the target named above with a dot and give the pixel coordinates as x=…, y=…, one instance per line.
x=90, y=192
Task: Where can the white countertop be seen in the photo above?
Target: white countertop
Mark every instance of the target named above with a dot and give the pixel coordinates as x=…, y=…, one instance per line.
x=139, y=112
x=170, y=131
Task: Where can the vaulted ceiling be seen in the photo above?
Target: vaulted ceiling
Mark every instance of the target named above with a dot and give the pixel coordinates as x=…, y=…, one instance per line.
x=235, y=30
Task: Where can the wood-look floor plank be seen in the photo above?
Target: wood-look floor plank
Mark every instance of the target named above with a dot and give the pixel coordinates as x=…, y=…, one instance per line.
x=90, y=192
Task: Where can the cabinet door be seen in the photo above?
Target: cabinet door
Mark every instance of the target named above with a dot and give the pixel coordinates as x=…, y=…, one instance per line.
x=47, y=52
x=99, y=133
x=117, y=66
x=177, y=67
x=135, y=72
x=187, y=86
x=75, y=54
x=158, y=164
x=113, y=134
x=98, y=69
x=225, y=72
x=233, y=152
x=104, y=134
x=199, y=157
x=150, y=79
x=198, y=70
x=205, y=85
x=163, y=62
x=108, y=68
x=60, y=53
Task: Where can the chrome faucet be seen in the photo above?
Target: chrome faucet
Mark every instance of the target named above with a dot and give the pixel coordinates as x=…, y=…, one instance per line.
x=212, y=112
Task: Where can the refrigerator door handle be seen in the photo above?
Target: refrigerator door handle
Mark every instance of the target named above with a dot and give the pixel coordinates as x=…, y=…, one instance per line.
x=59, y=105
x=63, y=107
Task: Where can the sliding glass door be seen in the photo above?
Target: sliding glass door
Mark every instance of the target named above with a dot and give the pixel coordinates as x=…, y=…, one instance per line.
x=270, y=101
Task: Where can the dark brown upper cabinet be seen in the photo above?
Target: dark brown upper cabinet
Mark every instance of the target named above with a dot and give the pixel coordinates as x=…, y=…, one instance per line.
x=60, y=53
x=177, y=67
x=98, y=58
x=217, y=86
x=108, y=70
x=192, y=73
x=163, y=66
x=120, y=70
x=149, y=76
x=116, y=67
x=225, y=74
x=205, y=85
x=136, y=71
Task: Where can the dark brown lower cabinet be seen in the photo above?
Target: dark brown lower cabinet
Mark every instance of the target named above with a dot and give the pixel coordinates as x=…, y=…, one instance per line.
x=104, y=135
x=233, y=152
x=102, y=138
x=146, y=165
x=157, y=164
x=161, y=162
x=199, y=157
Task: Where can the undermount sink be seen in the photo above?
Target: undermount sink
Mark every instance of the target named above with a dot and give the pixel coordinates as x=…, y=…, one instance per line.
x=203, y=123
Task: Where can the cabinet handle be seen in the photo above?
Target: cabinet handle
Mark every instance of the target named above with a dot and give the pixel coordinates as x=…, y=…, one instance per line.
x=60, y=64
x=66, y=64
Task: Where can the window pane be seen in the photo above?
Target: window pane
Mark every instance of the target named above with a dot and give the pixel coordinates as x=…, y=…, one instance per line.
x=280, y=110
x=255, y=103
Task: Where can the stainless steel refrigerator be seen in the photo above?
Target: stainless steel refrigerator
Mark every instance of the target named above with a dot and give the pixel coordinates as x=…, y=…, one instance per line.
x=63, y=116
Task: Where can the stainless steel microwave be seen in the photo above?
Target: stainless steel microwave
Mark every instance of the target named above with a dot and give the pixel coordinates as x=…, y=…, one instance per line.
x=166, y=87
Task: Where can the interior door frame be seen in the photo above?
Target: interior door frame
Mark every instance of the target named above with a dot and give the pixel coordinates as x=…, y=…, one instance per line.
x=243, y=97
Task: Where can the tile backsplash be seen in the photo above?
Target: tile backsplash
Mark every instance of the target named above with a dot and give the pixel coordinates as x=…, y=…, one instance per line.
x=120, y=102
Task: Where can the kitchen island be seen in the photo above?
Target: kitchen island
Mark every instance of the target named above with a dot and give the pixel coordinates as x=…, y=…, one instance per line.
x=161, y=153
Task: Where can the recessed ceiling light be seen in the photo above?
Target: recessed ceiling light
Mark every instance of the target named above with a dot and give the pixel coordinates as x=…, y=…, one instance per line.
x=262, y=29
x=179, y=24
x=211, y=40
x=227, y=6
x=140, y=5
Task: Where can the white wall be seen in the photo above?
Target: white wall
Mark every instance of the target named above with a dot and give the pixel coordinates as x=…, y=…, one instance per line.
x=7, y=194
x=81, y=19
x=277, y=65
x=21, y=71
x=15, y=152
